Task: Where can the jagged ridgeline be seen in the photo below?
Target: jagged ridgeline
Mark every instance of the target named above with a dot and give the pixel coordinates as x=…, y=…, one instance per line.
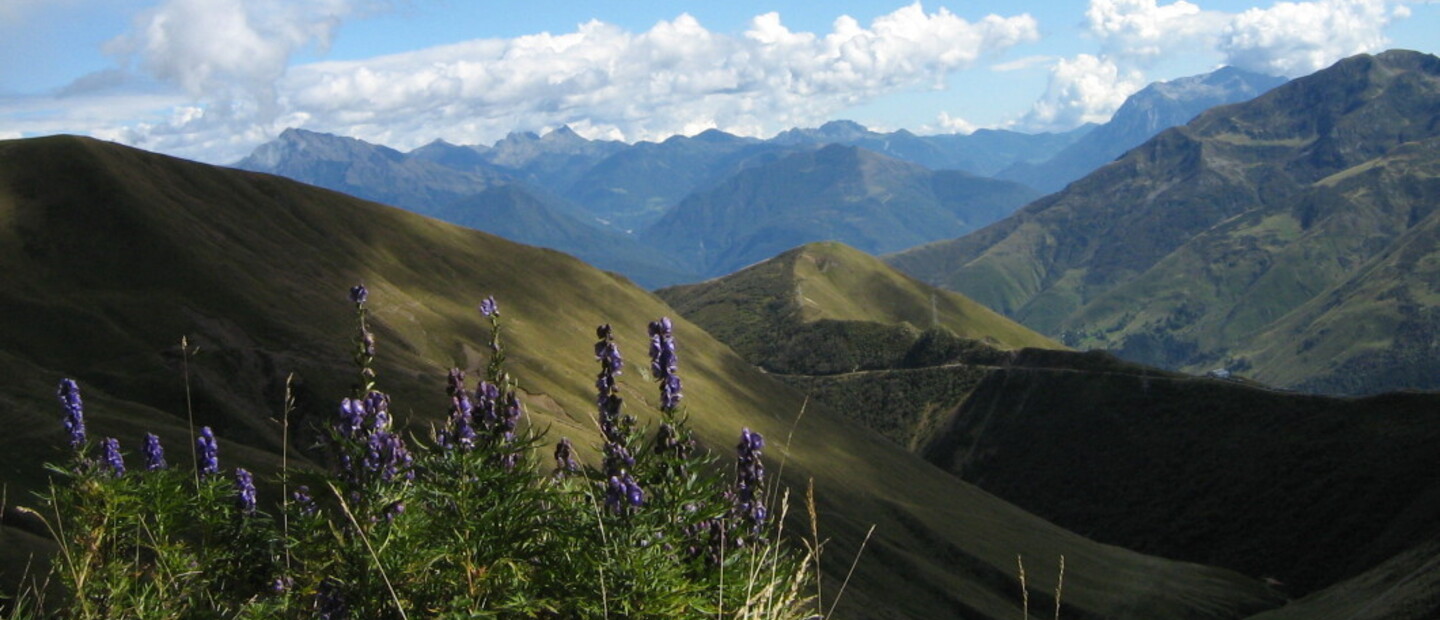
x=1290, y=238
x=112, y=254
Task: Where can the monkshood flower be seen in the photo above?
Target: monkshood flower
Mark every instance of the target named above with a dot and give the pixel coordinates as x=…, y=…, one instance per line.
x=301, y=498
x=565, y=457
x=611, y=363
x=154, y=454
x=509, y=418
x=459, y=430
x=488, y=307
x=209, y=451
x=486, y=410
x=69, y=395
x=358, y=415
x=365, y=346
x=618, y=459
x=112, y=458
x=622, y=494
x=749, y=479
x=377, y=405
x=244, y=491
x=387, y=456
x=395, y=509
x=613, y=426
x=664, y=363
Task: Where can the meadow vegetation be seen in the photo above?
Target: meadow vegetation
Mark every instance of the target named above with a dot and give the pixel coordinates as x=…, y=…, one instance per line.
x=467, y=520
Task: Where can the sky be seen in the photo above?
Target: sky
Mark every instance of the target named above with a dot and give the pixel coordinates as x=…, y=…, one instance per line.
x=212, y=79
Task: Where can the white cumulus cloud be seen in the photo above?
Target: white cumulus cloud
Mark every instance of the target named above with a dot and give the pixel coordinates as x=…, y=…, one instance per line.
x=677, y=77
x=1296, y=38
x=1287, y=38
x=1083, y=89
x=1143, y=30
x=231, y=50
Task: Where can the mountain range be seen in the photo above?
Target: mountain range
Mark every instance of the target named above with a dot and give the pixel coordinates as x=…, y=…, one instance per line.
x=689, y=208
x=1290, y=238
x=115, y=257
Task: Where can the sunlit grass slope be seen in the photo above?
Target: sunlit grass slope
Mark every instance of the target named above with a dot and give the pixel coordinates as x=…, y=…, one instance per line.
x=826, y=307
x=111, y=254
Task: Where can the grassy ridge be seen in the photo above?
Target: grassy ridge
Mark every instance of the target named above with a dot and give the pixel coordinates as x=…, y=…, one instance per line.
x=826, y=308
x=112, y=253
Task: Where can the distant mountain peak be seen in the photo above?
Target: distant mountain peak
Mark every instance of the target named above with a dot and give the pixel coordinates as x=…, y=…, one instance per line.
x=563, y=134
x=316, y=145
x=842, y=130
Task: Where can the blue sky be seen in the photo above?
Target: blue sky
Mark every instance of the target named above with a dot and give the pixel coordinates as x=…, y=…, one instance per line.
x=211, y=79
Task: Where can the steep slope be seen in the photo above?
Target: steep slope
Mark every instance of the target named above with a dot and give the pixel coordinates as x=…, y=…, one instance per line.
x=474, y=192
x=1155, y=108
x=1312, y=491
x=848, y=194
x=252, y=269
x=1229, y=224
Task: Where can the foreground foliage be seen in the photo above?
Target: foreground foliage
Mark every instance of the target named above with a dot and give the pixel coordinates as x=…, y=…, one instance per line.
x=468, y=522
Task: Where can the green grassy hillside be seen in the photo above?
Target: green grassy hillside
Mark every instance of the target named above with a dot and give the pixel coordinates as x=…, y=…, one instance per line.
x=1314, y=492
x=112, y=254
x=825, y=308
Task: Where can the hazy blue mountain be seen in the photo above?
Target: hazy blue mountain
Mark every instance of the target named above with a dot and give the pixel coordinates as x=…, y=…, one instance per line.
x=472, y=193
x=635, y=187
x=842, y=193
x=1155, y=108
x=553, y=160
x=984, y=152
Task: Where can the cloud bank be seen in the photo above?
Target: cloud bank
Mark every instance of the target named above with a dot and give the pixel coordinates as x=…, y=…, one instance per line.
x=1287, y=38
x=231, y=57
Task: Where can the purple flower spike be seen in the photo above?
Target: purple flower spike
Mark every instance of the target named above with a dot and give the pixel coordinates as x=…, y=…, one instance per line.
x=154, y=454
x=301, y=497
x=352, y=417
x=623, y=493
x=244, y=492
x=69, y=395
x=749, y=478
x=209, y=451
x=664, y=363
x=358, y=294
x=488, y=307
x=112, y=456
